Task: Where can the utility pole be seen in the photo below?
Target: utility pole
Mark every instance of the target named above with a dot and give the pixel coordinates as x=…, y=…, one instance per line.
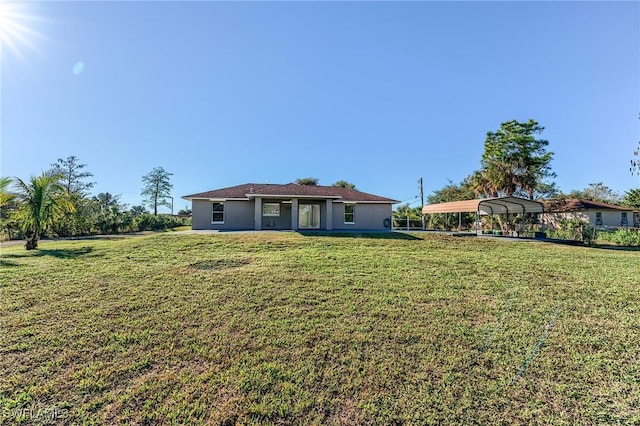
x=421, y=202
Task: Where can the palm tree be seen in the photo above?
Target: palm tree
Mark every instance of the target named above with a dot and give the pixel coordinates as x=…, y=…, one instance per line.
x=5, y=196
x=309, y=181
x=482, y=184
x=344, y=184
x=42, y=202
x=7, y=204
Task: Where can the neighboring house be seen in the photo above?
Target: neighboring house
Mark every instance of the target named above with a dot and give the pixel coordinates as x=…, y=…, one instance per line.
x=255, y=206
x=598, y=214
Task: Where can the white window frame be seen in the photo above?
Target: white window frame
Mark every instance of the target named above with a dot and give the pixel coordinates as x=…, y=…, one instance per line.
x=264, y=206
x=217, y=222
x=353, y=214
x=599, y=219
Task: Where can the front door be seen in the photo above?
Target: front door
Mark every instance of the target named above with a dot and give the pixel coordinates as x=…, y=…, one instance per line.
x=309, y=216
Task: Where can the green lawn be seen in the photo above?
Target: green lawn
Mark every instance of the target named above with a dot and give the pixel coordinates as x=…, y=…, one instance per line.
x=283, y=328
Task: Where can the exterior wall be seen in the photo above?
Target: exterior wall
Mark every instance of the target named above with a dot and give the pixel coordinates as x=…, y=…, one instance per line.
x=368, y=216
x=277, y=222
x=238, y=215
x=610, y=218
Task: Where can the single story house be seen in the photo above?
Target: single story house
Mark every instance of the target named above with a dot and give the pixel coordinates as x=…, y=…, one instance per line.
x=256, y=206
x=600, y=215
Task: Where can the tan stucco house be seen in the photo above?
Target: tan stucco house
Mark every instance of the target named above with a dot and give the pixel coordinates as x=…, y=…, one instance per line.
x=255, y=206
x=600, y=215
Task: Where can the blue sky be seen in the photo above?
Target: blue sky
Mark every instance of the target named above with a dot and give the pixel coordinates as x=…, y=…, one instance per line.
x=376, y=93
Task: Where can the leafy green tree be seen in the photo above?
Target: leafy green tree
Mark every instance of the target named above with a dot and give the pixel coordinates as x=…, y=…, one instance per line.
x=76, y=185
x=42, y=202
x=344, y=184
x=405, y=210
x=184, y=212
x=453, y=192
x=111, y=216
x=596, y=192
x=73, y=176
x=310, y=181
x=514, y=162
x=107, y=200
x=547, y=190
x=632, y=198
x=157, y=188
x=138, y=210
x=112, y=220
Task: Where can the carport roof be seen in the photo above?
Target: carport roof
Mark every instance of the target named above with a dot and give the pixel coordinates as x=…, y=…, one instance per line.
x=500, y=205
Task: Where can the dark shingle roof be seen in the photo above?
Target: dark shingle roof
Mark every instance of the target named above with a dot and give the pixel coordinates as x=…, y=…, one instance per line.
x=577, y=204
x=238, y=191
x=291, y=189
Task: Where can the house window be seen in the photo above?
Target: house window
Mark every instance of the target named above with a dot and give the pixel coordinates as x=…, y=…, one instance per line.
x=349, y=213
x=623, y=219
x=218, y=213
x=271, y=209
x=598, y=218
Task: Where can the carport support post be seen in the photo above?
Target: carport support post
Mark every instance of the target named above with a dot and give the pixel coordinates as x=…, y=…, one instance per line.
x=459, y=221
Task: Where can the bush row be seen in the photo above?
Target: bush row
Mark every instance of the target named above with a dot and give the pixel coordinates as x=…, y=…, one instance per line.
x=621, y=237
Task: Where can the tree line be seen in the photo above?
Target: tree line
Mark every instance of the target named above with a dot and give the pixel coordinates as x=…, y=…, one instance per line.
x=515, y=162
x=312, y=181
x=59, y=203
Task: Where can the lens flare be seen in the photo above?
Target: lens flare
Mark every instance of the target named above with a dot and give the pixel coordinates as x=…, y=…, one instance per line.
x=78, y=68
x=16, y=28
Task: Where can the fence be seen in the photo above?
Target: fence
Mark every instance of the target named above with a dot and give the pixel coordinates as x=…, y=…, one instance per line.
x=407, y=224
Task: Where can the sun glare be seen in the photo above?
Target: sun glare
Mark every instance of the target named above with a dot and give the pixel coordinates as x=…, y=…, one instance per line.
x=15, y=31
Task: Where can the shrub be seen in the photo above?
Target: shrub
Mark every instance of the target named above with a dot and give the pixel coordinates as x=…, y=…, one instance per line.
x=149, y=222
x=574, y=229
x=627, y=237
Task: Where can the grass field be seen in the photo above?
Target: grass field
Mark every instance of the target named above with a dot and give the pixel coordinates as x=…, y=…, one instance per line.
x=283, y=328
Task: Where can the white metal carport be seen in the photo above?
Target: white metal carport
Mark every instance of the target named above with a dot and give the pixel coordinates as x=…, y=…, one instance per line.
x=486, y=206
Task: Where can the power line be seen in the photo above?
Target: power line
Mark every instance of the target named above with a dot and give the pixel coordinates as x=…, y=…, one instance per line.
x=412, y=200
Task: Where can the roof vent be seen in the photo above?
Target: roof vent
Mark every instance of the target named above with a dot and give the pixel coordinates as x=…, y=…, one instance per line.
x=251, y=190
